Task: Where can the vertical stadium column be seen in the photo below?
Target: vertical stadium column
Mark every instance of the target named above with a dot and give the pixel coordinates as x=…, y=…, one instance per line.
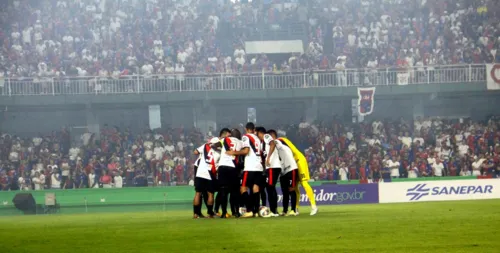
x=205, y=117
x=311, y=110
x=418, y=106
x=92, y=120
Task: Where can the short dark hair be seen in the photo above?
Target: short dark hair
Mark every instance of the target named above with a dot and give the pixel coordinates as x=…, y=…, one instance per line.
x=235, y=133
x=250, y=126
x=260, y=129
x=223, y=131
x=272, y=132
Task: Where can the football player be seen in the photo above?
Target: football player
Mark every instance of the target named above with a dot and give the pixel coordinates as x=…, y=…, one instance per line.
x=273, y=167
x=228, y=173
x=303, y=174
x=203, y=182
x=225, y=132
x=289, y=175
x=252, y=170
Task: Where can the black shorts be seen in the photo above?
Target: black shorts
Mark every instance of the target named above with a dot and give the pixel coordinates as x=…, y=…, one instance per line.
x=203, y=185
x=215, y=184
x=272, y=175
x=290, y=179
x=227, y=176
x=263, y=180
x=251, y=178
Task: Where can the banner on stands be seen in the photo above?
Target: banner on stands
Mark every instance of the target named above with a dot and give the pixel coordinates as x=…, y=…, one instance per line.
x=366, y=100
x=403, y=78
x=439, y=190
x=339, y=194
x=154, y=117
x=493, y=76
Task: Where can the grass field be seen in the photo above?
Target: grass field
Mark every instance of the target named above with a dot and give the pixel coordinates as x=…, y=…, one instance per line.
x=466, y=226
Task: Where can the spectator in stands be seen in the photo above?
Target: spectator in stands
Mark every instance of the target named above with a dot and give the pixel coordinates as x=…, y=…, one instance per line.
x=81, y=179
x=55, y=177
x=343, y=171
x=93, y=182
x=39, y=181
x=438, y=168
x=106, y=180
x=118, y=180
x=24, y=182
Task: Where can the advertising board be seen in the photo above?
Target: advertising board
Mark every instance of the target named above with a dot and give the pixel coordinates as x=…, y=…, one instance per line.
x=339, y=194
x=439, y=190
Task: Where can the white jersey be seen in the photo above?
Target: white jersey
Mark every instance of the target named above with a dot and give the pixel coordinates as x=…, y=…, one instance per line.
x=287, y=161
x=229, y=143
x=197, y=162
x=206, y=162
x=253, y=161
x=216, y=156
x=274, y=160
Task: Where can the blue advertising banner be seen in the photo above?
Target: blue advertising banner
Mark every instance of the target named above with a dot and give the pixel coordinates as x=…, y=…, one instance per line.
x=339, y=194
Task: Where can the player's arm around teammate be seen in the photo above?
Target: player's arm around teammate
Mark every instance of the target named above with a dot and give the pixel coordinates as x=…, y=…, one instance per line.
x=252, y=170
x=242, y=152
x=204, y=179
x=245, y=199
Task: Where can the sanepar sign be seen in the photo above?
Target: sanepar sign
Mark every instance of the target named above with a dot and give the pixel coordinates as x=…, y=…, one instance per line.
x=421, y=190
x=439, y=190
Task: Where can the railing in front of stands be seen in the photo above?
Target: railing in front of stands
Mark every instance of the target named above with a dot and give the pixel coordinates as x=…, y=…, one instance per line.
x=241, y=81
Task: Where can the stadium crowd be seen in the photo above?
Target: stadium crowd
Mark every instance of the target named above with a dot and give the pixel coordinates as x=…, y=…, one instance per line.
x=368, y=151
x=50, y=38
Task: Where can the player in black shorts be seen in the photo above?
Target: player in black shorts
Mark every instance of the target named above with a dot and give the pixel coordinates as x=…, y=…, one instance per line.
x=252, y=171
x=272, y=165
x=224, y=132
x=263, y=179
x=228, y=173
x=204, y=179
x=204, y=195
x=262, y=186
x=288, y=184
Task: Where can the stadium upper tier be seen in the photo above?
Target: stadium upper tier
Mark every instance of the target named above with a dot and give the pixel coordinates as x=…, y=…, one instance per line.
x=87, y=38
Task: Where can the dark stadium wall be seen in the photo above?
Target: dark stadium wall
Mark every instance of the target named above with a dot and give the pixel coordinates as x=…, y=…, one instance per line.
x=30, y=120
x=475, y=106
x=391, y=109
x=268, y=113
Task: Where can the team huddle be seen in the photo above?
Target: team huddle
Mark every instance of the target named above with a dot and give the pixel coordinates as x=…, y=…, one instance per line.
x=243, y=170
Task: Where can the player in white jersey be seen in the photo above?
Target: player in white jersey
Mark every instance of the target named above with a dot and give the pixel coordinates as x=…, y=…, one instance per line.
x=203, y=181
x=228, y=172
x=252, y=170
x=289, y=174
x=273, y=168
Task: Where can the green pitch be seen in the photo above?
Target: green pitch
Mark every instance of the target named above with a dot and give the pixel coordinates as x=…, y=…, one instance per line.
x=466, y=226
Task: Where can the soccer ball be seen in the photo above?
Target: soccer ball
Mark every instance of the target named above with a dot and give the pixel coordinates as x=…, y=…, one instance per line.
x=242, y=210
x=264, y=212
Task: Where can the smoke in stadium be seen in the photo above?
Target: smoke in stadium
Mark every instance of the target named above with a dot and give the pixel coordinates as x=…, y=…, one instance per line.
x=249, y=125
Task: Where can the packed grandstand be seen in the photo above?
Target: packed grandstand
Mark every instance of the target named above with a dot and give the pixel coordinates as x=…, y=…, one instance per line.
x=109, y=39
x=335, y=151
